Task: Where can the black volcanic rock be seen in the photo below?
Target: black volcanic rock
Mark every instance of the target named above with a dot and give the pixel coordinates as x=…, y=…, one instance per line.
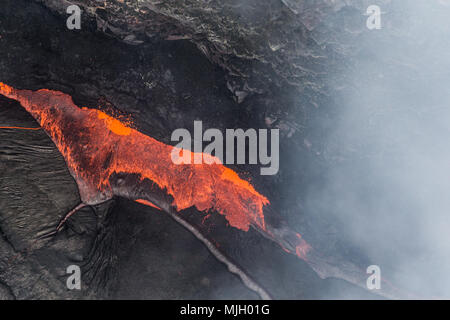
x=260, y=44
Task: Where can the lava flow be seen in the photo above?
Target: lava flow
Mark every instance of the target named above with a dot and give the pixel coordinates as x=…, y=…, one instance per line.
x=19, y=128
x=97, y=146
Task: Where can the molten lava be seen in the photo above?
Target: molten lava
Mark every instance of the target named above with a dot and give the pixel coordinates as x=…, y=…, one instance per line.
x=147, y=203
x=20, y=128
x=97, y=146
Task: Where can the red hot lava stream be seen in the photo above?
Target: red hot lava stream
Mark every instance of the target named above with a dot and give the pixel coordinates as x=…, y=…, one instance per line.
x=97, y=147
x=19, y=128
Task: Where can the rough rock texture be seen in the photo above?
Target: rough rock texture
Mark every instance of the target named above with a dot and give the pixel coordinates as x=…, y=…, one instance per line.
x=260, y=43
x=31, y=203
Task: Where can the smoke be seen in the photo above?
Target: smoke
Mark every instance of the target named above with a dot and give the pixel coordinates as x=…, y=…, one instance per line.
x=387, y=150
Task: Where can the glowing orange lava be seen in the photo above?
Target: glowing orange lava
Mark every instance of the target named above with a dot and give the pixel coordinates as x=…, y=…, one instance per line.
x=97, y=146
x=20, y=128
x=147, y=203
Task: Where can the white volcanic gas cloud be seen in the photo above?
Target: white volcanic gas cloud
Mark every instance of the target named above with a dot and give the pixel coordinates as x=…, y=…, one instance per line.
x=388, y=181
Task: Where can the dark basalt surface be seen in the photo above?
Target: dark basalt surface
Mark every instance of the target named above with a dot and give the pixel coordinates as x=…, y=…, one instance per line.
x=232, y=64
x=260, y=43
